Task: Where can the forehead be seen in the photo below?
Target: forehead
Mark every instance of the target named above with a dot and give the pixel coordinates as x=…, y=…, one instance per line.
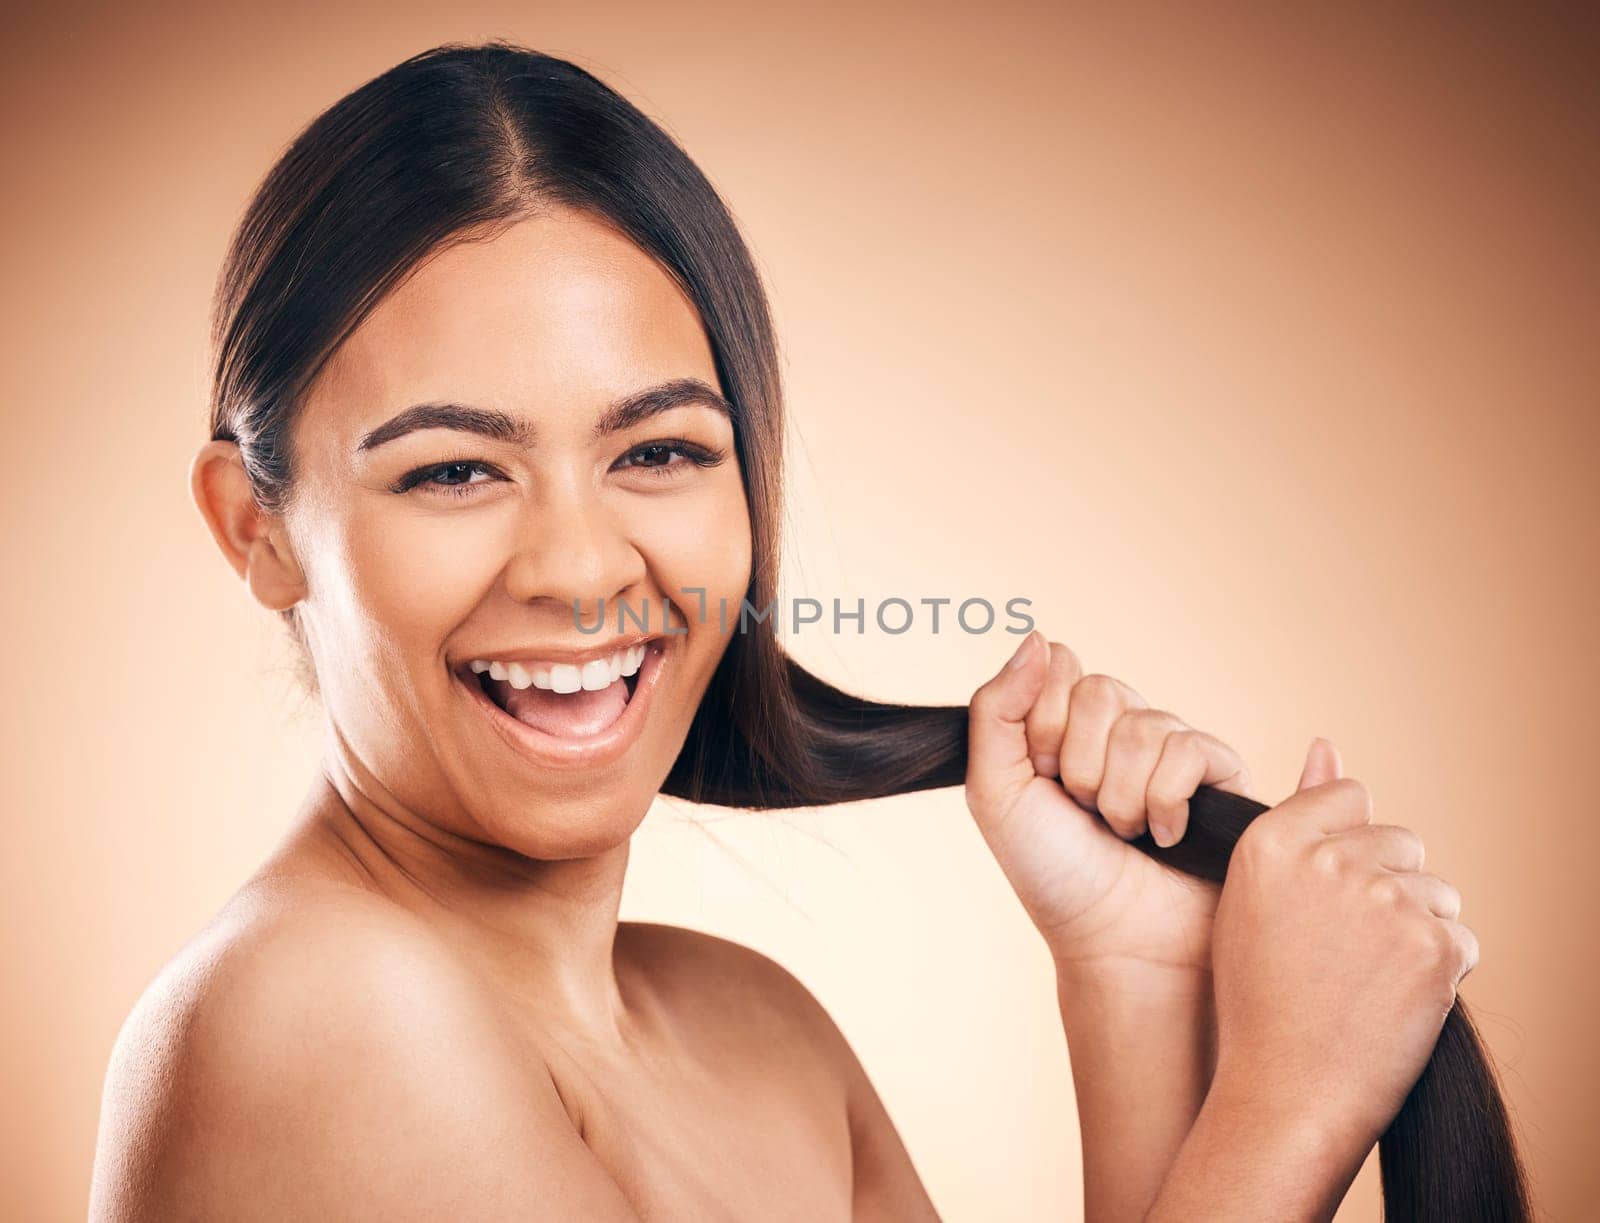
x=558, y=314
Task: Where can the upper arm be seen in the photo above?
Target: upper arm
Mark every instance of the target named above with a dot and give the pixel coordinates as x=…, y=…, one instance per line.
x=885, y=1184
x=347, y=1077
x=884, y=1181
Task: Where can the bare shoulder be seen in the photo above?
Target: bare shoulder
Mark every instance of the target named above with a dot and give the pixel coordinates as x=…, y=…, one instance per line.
x=318, y=1052
x=716, y=980
x=750, y=1005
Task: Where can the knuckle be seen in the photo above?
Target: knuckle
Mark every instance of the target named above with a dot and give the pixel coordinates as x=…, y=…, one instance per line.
x=1254, y=841
x=1450, y=897
x=1187, y=743
x=1446, y=948
x=1329, y=859
x=1096, y=690
x=1391, y=893
x=1063, y=656
x=1412, y=841
x=1264, y=838
x=982, y=699
x=1353, y=793
x=1442, y=994
x=1148, y=727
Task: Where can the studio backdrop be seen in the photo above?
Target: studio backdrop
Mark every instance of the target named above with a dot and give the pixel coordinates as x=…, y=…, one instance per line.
x=1256, y=348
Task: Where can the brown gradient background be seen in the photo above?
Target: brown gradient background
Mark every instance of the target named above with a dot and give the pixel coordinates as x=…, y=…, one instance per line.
x=1259, y=351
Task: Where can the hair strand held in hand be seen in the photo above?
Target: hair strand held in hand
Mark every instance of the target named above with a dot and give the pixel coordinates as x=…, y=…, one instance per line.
x=1449, y=1154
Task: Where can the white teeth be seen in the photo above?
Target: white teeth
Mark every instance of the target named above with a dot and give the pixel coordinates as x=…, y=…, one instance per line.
x=565, y=677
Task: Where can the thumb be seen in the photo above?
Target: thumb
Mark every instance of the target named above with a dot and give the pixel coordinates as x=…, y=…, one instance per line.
x=997, y=741
x=1322, y=764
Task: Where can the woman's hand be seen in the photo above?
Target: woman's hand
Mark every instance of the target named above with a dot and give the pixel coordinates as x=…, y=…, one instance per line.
x=1336, y=960
x=1063, y=845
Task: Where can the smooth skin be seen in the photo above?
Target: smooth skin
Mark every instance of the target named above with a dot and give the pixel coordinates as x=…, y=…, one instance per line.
x=424, y=1006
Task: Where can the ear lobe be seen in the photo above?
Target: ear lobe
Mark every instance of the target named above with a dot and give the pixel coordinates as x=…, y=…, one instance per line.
x=251, y=539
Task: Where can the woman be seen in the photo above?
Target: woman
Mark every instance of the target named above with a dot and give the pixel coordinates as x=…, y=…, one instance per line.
x=492, y=360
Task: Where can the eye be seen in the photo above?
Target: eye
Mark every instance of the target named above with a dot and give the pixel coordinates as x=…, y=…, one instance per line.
x=656, y=457
x=448, y=479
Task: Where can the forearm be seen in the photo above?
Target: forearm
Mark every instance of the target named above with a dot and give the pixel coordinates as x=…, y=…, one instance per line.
x=1141, y=1041
x=1247, y=1161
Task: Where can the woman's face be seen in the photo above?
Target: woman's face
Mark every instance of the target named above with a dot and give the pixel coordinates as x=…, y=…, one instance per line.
x=426, y=550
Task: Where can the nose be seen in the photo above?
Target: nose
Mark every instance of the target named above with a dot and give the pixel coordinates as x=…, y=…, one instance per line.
x=574, y=551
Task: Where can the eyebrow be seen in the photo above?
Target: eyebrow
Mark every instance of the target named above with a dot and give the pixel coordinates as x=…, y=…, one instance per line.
x=489, y=422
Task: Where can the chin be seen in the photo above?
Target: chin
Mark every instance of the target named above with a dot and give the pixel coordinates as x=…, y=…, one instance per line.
x=557, y=828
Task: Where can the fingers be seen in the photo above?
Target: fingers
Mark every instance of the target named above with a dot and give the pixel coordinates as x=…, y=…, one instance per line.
x=1395, y=855
x=1322, y=764
x=1134, y=765
x=1133, y=751
x=997, y=750
x=1189, y=758
x=1465, y=945
x=1340, y=805
x=1047, y=720
x=1314, y=815
x=1096, y=704
x=1436, y=895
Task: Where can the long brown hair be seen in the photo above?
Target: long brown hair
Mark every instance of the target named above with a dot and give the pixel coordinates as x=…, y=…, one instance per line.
x=459, y=138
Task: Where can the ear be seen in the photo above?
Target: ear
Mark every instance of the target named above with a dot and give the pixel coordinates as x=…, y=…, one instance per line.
x=255, y=542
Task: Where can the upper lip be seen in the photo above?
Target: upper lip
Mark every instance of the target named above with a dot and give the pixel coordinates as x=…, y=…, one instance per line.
x=575, y=655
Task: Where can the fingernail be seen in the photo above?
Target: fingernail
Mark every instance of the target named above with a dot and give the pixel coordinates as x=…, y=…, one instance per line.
x=1024, y=651
x=1162, y=835
x=1046, y=766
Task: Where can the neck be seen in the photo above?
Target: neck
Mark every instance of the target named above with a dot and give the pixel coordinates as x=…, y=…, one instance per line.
x=546, y=930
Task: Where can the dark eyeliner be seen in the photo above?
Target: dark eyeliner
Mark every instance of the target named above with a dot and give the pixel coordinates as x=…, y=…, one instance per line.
x=421, y=474
x=697, y=454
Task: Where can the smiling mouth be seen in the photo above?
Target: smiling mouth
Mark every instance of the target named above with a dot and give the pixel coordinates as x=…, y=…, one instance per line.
x=571, y=703
x=567, y=715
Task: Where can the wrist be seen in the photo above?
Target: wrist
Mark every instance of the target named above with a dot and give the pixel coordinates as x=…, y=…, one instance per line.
x=1125, y=980
x=1305, y=1124
x=1128, y=1024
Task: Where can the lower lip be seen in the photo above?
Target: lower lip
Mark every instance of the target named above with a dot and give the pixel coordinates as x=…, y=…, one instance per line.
x=590, y=751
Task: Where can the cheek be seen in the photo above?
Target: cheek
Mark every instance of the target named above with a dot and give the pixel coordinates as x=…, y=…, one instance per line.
x=404, y=580
x=700, y=542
